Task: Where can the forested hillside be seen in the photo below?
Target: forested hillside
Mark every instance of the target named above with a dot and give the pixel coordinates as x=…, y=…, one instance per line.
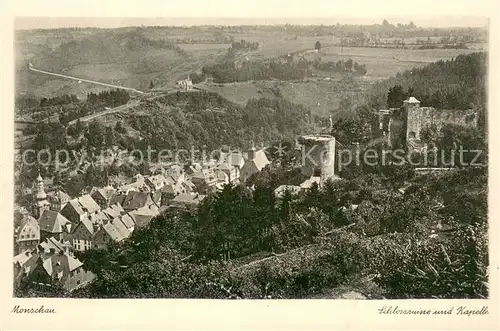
x=456, y=84
x=182, y=120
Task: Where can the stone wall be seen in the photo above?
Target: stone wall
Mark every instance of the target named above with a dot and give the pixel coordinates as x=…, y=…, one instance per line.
x=439, y=117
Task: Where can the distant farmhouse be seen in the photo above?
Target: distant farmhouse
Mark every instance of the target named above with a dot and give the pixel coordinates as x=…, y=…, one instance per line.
x=185, y=84
x=408, y=121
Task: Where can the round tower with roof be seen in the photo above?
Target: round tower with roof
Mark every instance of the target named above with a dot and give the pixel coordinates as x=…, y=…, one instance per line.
x=412, y=111
x=41, y=203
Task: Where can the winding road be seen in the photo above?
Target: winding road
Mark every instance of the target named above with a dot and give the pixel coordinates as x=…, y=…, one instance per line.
x=85, y=80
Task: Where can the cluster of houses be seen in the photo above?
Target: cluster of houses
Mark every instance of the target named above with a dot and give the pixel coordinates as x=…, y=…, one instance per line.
x=46, y=238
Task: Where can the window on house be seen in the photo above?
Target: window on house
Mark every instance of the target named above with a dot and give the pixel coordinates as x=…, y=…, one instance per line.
x=78, y=282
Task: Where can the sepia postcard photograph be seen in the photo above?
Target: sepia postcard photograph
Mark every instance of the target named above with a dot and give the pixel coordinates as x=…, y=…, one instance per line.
x=266, y=157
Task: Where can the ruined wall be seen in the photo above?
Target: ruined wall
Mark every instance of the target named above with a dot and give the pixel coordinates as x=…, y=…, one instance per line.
x=318, y=156
x=439, y=117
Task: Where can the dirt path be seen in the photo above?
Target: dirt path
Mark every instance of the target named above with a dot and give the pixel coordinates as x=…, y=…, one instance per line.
x=131, y=103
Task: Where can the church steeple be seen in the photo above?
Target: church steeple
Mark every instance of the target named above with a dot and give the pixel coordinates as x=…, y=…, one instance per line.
x=251, y=151
x=41, y=197
x=40, y=194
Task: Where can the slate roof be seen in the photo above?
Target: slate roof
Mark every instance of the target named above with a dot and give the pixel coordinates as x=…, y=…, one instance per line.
x=187, y=198
x=141, y=220
x=117, y=199
x=114, y=210
x=135, y=200
x=76, y=206
x=206, y=175
x=29, y=229
x=87, y=224
x=57, y=266
x=113, y=233
x=52, y=222
x=142, y=216
x=88, y=203
x=106, y=192
x=260, y=160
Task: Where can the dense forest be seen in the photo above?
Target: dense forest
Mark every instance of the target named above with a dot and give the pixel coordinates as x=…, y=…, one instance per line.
x=68, y=107
x=459, y=83
x=282, y=68
x=205, y=118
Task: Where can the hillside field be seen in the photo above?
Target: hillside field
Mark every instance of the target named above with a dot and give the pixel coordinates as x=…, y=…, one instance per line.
x=136, y=59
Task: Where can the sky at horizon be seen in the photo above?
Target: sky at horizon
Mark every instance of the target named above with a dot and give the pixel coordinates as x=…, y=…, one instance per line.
x=114, y=13
x=29, y=23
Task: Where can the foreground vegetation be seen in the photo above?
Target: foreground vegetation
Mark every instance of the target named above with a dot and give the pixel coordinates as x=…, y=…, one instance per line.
x=389, y=239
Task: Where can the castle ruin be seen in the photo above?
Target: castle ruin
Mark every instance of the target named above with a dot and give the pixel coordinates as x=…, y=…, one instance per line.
x=403, y=126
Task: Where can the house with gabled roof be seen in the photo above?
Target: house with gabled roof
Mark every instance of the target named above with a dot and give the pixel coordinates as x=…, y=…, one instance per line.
x=20, y=259
x=136, y=200
x=204, y=180
x=256, y=161
x=186, y=201
x=27, y=234
x=113, y=211
x=73, y=211
x=82, y=234
x=99, y=217
x=128, y=221
x=88, y=204
x=42, y=269
x=102, y=196
x=121, y=228
x=57, y=199
x=142, y=216
x=138, y=186
x=106, y=235
x=188, y=186
x=53, y=224
x=232, y=172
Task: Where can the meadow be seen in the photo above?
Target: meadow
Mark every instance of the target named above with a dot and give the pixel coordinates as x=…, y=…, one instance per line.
x=140, y=66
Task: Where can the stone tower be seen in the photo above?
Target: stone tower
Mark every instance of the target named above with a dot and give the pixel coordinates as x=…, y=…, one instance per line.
x=41, y=203
x=318, y=156
x=412, y=113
